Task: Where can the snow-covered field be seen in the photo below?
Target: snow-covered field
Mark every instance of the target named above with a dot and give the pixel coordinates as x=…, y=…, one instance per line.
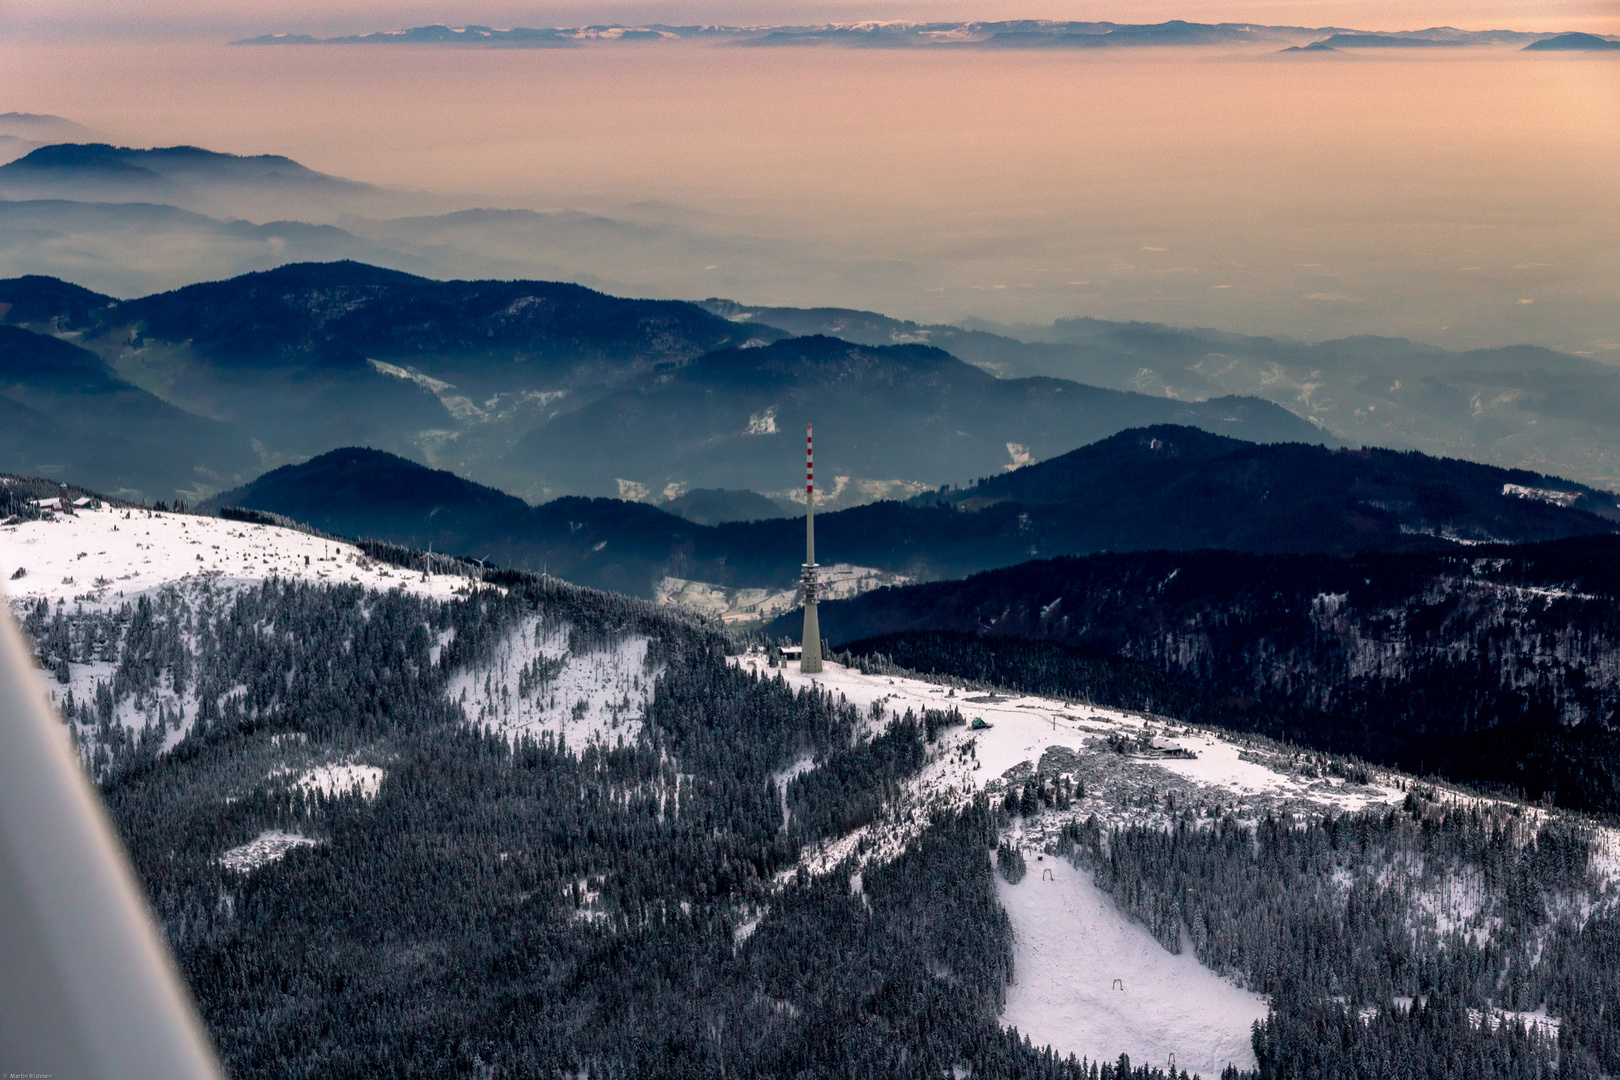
x=1088, y=978
x=364, y=780
x=1227, y=771
x=101, y=558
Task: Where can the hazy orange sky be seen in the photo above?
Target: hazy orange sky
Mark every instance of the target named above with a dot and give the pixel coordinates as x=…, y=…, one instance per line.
x=213, y=17
x=1460, y=197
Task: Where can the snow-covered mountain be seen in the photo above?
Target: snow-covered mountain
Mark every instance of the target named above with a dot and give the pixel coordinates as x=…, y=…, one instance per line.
x=344, y=767
x=82, y=579
x=1089, y=976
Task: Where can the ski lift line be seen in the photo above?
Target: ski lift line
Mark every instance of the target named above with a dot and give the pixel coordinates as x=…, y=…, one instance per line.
x=87, y=986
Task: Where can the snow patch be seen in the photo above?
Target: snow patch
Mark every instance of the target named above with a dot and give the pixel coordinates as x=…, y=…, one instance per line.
x=735, y=607
x=763, y=423
x=266, y=848
x=633, y=490
x=334, y=780
x=1546, y=495
x=533, y=684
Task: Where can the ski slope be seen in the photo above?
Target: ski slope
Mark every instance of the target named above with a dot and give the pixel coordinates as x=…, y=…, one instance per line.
x=1088, y=978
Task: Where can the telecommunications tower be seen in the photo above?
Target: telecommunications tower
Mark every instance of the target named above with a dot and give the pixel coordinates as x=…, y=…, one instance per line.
x=810, y=659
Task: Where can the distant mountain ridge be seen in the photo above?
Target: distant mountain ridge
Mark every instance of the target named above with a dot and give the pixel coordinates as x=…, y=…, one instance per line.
x=1156, y=488
x=265, y=188
x=546, y=389
x=549, y=388
x=1516, y=407
x=1209, y=491
x=906, y=414
x=65, y=414
x=1002, y=34
x=1576, y=42
x=155, y=171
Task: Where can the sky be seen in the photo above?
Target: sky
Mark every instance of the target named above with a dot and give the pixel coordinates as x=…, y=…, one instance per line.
x=165, y=18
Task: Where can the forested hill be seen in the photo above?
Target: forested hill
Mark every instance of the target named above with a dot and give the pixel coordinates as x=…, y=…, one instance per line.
x=1161, y=487
x=549, y=389
x=1492, y=665
x=1178, y=487
x=907, y=412
x=377, y=800
x=65, y=412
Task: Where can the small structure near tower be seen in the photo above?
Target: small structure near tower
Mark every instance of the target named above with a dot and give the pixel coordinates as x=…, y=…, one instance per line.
x=810, y=660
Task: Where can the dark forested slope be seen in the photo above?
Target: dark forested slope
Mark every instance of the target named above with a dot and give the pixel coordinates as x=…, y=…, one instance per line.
x=1177, y=487
x=1162, y=487
x=314, y=355
x=1491, y=665
x=909, y=412
x=49, y=303
x=66, y=415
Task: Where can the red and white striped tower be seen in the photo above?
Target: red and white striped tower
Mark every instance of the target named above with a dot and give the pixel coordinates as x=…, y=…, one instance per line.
x=810, y=660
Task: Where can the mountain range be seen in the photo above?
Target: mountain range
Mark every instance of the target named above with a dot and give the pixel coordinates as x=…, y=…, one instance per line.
x=1575, y=42
x=184, y=176
x=1517, y=407
x=22, y=132
x=1163, y=487
x=547, y=388
x=1002, y=34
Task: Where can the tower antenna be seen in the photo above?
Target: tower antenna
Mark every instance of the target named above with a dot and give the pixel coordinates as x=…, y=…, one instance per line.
x=810, y=658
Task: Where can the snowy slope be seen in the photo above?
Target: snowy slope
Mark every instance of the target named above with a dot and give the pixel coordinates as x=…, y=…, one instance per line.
x=535, y=685
x=1228, y=771
x=101, y=558
x=1072, y=941
x=96, y=561
x=264, y=849
x=1088, y=978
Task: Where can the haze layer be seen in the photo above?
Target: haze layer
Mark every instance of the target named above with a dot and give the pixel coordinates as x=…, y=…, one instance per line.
x=1466, y=199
